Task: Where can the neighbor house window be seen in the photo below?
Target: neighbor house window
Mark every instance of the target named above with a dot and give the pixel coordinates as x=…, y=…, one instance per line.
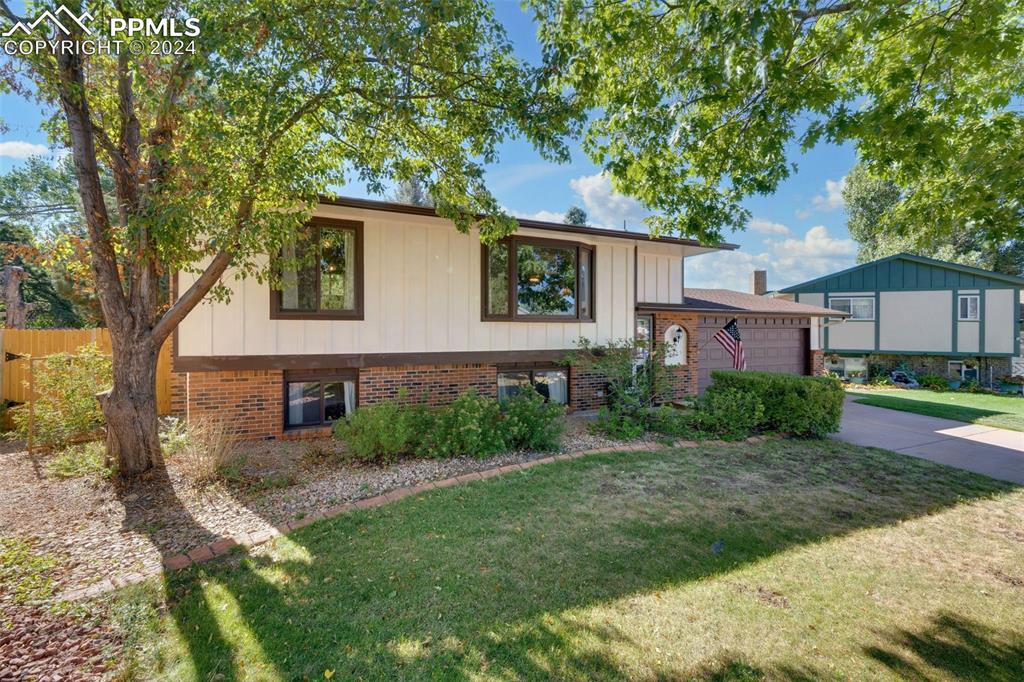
x=550, y=382
x=859, y=308
x=969, y=309
x=538, y=279
x=321, y=272
x=960, y=370
x=317, y=400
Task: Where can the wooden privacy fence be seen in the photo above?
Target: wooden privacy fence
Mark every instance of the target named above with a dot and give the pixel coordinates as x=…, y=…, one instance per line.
x=20, y=344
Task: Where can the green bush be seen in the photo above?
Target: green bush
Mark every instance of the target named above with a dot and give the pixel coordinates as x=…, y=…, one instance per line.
x=933, y=382
x=530, y=423
x=674, y=422
x=729, y=414
x=381, y=432
x=620, y=425
x=66, y=405
x=83, y=459
x=803, y=406
x=470, y=425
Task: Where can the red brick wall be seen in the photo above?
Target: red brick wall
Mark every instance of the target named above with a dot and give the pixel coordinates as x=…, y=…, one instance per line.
x=432, y=384
x=817, y=363
x=683, y=377
x=586, y=390
x=252, y=401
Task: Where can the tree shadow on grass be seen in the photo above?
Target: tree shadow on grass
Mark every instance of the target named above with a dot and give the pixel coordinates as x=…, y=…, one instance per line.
x=953, y=646
x=484, y=577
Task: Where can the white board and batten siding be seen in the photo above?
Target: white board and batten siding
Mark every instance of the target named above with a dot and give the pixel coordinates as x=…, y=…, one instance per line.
x=422, y=295
x=659, y=273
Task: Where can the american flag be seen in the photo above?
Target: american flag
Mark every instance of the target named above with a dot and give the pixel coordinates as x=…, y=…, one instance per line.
x=729, y=337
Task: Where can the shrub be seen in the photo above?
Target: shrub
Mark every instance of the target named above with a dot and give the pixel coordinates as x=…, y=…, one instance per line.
x=729, y=414
x=65, y=407
x=620, y=425
x=632, y=387
x=933, y=382
x=803, y=406
x=470, y=425
x=530, y=423
x=173, y=435
x=210, y=452
x=674, y=422
x=380, y=432
x=83, y=459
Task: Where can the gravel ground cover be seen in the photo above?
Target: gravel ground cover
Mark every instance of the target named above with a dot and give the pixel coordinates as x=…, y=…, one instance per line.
x=96, y=528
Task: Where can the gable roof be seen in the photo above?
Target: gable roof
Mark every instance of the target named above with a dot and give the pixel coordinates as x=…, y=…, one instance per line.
x=905, y=271
x=395, y=207
x=728, y=301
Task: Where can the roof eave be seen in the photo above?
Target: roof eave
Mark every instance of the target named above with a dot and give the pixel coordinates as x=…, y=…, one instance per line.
x=428, y=211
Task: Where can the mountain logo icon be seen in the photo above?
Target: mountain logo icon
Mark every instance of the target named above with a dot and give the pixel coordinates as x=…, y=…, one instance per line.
x=60, y=19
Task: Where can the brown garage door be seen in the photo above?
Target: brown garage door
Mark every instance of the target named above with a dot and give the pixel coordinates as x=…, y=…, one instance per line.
x=773, y=344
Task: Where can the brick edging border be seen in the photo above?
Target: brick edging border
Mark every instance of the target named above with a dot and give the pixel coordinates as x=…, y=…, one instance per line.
x=226, y=545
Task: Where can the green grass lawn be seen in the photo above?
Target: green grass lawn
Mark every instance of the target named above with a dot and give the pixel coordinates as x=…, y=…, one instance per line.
x=780, y=560
x=1006, y=412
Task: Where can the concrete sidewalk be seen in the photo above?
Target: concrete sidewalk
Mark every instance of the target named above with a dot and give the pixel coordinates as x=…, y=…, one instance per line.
x=998, y=453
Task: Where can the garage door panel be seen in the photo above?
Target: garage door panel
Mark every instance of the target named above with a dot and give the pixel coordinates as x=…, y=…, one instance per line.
x=770, y=344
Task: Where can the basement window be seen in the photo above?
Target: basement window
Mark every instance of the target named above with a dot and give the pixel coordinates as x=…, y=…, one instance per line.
x=551, y=382
x=317, y=400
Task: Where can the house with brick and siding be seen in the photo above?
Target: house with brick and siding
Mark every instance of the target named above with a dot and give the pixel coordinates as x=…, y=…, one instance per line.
x=379, y=300
x=929, y=315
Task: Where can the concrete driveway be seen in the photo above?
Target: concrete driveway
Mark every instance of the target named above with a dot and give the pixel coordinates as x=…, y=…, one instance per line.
x=998, y=453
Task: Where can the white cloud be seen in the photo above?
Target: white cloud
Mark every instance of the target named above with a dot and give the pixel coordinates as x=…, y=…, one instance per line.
x=832, y=198
x=17, y=149
x=605, y=207
x=788, y=261
x=546, y=216
x=767, y=227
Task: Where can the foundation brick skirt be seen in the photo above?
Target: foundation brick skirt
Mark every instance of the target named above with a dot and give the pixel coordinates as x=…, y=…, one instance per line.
x=253, y=400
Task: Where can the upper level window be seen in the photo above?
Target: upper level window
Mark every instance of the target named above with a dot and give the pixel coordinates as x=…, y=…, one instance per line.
x=321, y=273
x=539, y=279
x=969, y=309
x=860, y=308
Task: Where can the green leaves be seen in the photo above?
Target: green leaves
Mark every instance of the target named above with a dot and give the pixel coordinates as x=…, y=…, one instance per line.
x=694, y=105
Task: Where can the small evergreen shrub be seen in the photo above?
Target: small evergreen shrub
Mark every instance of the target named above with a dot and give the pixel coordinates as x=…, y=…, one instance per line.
x=66, y=405
x=729, y=414
x=933, y=382
x=530, y=423
x=801, y=405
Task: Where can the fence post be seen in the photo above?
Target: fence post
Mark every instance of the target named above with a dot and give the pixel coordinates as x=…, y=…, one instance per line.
x=31, y=401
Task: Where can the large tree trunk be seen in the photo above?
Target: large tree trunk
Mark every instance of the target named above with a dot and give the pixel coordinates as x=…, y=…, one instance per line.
x=130, y=409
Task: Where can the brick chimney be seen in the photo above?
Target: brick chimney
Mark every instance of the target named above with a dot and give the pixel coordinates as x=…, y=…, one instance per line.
x=759, y=282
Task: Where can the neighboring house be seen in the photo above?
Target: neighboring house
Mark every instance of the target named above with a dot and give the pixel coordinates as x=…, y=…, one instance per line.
x=931, y=315
x=400, y=302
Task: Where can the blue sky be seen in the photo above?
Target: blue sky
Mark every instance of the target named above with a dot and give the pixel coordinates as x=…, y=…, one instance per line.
x=796, y=234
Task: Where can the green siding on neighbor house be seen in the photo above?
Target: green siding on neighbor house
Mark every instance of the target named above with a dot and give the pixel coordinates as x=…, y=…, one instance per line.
x=905, y=272
x=890, y=277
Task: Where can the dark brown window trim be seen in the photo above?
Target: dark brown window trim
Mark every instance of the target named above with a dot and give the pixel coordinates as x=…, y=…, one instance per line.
x=325, y=376
x=513, y=305
x=276, y=313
